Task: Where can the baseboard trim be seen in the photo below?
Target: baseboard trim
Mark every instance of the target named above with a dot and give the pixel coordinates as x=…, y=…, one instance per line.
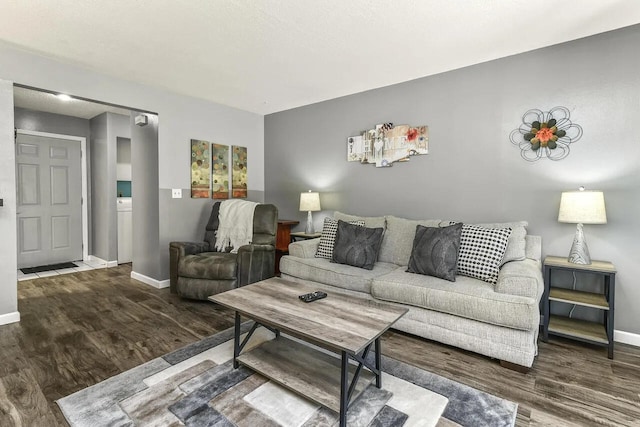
x=108, y=264
x=158, y=284
x=626, y=338
x=14, y=317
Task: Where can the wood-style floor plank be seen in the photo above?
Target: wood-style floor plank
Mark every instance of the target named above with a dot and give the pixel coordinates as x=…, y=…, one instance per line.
x=79, y=329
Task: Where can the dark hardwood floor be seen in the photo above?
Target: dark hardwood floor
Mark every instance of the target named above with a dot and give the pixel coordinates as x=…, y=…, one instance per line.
x=81, y=328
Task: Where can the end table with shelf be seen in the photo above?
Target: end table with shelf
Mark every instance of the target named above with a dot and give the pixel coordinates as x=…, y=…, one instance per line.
x=301, y=235
x=591, y=332
x=283, y=238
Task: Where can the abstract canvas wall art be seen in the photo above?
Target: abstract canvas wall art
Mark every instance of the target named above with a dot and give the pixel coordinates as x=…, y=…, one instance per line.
x=239, y=172
x=220, y=171
x=200, y=170
x=387, y=144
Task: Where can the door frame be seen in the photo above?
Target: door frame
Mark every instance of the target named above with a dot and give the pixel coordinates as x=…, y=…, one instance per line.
x=83, y=166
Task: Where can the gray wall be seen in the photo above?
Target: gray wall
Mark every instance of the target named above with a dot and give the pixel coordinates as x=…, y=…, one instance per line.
x=105, y=131
x=182, y=118
x=144, y=188
x=8, y=251
x=473, y=173
x=99, y=178
x=40, y=121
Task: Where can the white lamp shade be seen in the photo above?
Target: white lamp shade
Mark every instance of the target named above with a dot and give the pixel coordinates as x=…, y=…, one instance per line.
x=582, y=207
x=310, y=201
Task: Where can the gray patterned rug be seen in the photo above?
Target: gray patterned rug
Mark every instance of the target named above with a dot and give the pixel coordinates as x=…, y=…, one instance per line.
x=197, y=386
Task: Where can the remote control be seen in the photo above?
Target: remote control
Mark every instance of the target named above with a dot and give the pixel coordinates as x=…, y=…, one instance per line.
x=313, y=296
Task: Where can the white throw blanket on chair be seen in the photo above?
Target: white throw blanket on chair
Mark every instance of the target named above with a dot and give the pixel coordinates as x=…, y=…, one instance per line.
x=235, y=227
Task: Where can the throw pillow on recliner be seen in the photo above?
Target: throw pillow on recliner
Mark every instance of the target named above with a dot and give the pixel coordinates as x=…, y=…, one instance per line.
x=356, y=245
x=435, y=251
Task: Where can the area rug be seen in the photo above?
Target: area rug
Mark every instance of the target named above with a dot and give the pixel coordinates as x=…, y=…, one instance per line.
x=197, y=386
x=50, y=267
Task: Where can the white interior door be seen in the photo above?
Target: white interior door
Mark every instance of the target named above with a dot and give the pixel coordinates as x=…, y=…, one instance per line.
x=49, y=200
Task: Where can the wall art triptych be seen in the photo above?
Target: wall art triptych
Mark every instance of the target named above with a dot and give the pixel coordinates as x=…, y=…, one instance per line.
x=220, y=170
x=210, y=168
x=200, y=170
x=239, y=174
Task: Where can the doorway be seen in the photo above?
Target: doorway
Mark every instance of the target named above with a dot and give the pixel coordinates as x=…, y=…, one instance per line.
x=51, y=186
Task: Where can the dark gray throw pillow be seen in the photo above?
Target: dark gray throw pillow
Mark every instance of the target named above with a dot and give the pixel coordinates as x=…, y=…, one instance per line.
x=357, y=246
x=435, y=251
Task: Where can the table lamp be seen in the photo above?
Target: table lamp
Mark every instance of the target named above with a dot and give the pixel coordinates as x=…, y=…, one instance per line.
x=309, y=202
x=581, y=207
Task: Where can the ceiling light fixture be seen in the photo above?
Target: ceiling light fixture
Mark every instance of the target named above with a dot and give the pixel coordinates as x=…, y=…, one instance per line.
x=64, y=97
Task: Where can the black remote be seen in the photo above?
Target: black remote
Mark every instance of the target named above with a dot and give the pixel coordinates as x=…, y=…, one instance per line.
x=313, y=296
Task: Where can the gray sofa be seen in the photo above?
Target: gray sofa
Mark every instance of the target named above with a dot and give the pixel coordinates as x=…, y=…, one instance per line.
x=499, y=321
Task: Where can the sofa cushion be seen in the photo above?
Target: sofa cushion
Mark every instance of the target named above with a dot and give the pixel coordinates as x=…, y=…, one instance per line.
x=209, y=265
x=369, y=221
x=328, y=237
x=398, y=239
x=339, y=275
x=466, y=297
x=481, y=252
x=357, y=246
x=435, y=251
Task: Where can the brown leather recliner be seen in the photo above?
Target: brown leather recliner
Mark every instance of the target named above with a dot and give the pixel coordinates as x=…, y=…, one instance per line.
x=197, y=270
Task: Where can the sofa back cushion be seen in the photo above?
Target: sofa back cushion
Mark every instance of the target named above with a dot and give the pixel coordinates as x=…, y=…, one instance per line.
x=398, y=238
x=369, y=221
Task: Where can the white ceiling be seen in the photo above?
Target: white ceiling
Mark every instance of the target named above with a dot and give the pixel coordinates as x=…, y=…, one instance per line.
x=270, y=55
x=50, y=103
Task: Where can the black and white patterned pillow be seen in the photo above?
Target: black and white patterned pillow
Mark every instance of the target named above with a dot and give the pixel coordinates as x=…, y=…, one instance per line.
x=481, y=252
x=328, y=237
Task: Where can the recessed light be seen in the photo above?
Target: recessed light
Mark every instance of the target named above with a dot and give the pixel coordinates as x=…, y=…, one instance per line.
x=64, y=97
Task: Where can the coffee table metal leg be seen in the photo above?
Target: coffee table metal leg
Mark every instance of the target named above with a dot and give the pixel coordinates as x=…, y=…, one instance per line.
x=344, y=389
x=378, y=354
x=236, y=341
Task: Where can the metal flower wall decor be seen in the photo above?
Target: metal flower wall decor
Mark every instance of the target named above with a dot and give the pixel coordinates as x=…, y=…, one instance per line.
x=545, y=134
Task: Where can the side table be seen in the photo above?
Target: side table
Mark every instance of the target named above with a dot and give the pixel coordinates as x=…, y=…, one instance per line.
x=283, y=238
x=301, y=235
x=581, y=330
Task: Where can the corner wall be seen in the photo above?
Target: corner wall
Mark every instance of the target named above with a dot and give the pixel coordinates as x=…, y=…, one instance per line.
x=181, y=118
x=473, y=173
x=8, y=252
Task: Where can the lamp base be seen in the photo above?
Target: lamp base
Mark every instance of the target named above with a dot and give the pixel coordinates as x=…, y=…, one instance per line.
x=579, y=253
x=309, y=227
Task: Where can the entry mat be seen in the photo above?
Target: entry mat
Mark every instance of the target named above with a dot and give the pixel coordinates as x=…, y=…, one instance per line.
x=49, y=267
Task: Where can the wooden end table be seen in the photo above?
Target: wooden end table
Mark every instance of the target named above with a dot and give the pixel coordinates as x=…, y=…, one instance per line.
x=581, y=330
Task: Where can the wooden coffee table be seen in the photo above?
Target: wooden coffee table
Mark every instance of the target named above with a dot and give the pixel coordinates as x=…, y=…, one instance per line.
x=348, y=326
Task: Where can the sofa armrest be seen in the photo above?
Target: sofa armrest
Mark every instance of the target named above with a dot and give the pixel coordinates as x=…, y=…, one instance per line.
x=304, y=248
x=522, y=278
x=178, y=250
x=255, y=263
x=189, y=248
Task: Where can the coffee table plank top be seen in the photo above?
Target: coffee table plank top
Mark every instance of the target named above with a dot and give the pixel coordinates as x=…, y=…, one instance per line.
x=339, y=322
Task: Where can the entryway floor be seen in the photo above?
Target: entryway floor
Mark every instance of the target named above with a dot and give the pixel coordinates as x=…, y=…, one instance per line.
x=81, y=266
